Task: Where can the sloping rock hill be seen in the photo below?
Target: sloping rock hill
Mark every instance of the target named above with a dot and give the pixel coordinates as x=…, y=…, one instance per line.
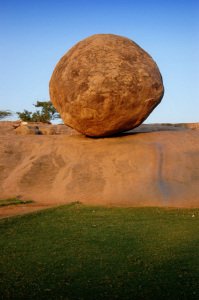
x=152, y=165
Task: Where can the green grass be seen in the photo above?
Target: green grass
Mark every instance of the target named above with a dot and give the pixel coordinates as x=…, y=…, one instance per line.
x=87, y=252
x=14, y=201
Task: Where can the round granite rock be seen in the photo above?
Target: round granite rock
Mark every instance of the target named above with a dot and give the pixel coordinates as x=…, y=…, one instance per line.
x=105, y=84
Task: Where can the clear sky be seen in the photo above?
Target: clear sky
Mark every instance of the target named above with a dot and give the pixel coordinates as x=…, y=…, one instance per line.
x=34, y=35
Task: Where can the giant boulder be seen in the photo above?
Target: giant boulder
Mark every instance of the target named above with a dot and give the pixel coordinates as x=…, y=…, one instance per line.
x=105, y=84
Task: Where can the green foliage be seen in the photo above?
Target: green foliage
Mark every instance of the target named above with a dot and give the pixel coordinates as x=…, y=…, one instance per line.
x=95, y=252
x=14, y=201
x=25, y=115
x=47, y=113
x=4, y=114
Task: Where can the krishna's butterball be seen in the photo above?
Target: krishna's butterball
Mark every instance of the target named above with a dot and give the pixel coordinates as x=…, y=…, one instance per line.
x=105, y=84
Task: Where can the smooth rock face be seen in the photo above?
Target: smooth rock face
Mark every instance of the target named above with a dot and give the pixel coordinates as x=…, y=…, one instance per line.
x=157, y=166
x=105, y=84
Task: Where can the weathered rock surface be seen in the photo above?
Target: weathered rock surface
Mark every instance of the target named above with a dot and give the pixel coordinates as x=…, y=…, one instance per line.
x=149, y=166
x=105, y=84
x=26, y=129
x=44, y=129
x=48, y=131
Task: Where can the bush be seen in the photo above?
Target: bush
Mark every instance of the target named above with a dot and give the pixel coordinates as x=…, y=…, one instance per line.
x=48, y=112
x=4, y=114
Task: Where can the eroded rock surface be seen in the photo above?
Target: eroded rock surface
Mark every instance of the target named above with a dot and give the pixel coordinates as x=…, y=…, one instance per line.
x=105, y=84
x=155, y=165
x=26, y=129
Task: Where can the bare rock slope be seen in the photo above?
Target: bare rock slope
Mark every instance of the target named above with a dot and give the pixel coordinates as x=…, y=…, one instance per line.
x=105, y=84
x=155, y=165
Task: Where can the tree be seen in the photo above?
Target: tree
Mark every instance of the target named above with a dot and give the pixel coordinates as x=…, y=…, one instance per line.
x=25, y=115
x=48, y=112
x=4, y=114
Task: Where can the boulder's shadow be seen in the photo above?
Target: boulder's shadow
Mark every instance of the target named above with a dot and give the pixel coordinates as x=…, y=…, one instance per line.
x=144, y=128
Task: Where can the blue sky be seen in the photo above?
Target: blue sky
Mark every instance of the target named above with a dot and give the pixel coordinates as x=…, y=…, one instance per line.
x=34, y=35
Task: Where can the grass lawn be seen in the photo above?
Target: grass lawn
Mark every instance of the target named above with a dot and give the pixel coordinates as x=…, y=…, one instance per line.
x=14, y=201
x=95, y=252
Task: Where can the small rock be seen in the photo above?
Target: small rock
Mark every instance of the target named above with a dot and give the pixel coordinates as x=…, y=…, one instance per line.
x=48, y=131
x=25, y=129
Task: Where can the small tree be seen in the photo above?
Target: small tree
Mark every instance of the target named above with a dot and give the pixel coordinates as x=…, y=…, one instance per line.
x=48, y=112
x=4, y=114
x=25, y=115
